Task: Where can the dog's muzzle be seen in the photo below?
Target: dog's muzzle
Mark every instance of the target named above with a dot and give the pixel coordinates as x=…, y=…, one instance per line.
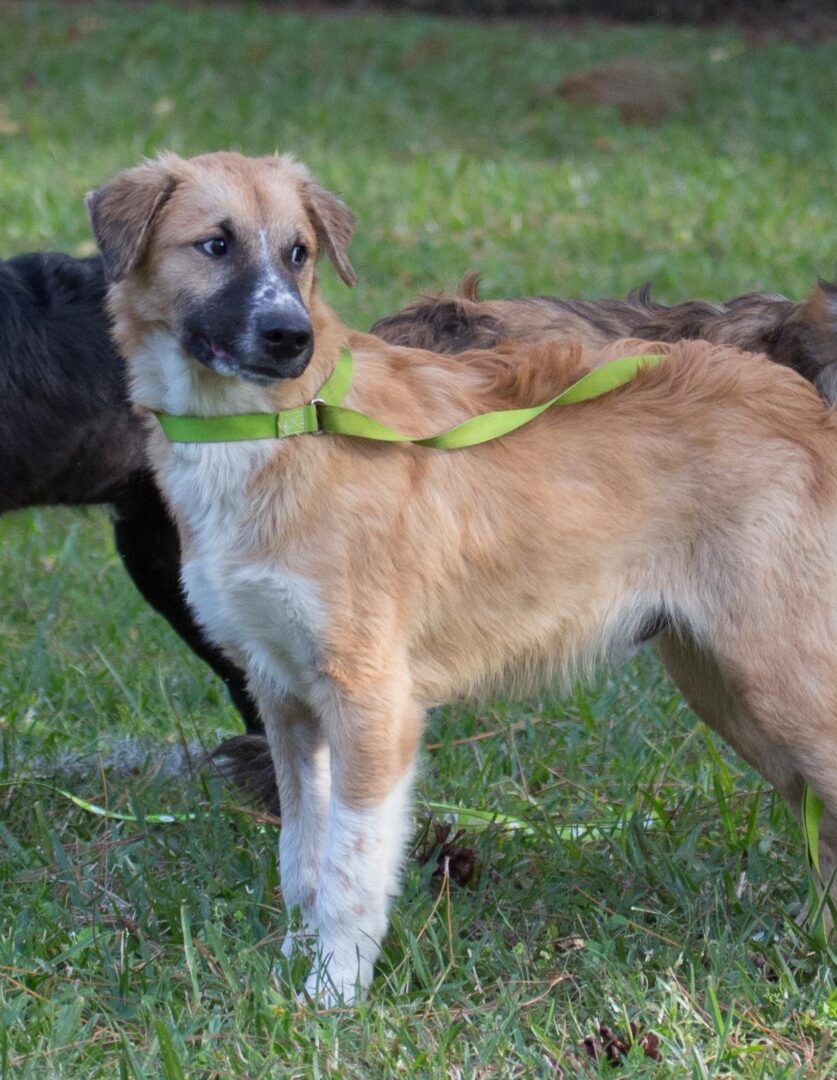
x=284, y=335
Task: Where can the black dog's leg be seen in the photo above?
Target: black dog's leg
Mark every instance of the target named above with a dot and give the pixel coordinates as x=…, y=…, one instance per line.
x=146, y=539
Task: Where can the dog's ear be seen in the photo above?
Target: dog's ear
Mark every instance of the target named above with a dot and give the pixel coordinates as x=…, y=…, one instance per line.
x=821, y=307
x=820, y=315
x=334, y=224
x=123, y=212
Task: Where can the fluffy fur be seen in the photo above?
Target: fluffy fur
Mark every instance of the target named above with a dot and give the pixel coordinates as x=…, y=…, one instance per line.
x=802, y=336
x=360, y=583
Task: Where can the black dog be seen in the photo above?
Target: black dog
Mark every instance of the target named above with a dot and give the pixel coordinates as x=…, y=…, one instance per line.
x=68, y=436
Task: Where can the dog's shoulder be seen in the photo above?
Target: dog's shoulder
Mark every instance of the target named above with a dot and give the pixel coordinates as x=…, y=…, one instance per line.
x=66, y=433
x=54, y=331
x=52, y=280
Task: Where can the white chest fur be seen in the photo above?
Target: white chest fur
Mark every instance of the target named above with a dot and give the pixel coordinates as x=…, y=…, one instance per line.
x=260, y=612
x=263, y=614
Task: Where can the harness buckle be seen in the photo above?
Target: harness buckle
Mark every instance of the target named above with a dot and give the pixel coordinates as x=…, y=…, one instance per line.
x=315, y=402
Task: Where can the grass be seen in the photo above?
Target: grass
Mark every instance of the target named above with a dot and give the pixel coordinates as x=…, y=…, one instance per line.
x=146, y=950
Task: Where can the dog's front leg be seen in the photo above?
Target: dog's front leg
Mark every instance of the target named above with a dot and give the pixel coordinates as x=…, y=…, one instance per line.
x=372, y=765
x=301, y=760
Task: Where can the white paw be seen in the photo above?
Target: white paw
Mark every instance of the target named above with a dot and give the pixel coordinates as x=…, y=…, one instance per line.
x=297, y=941
x=329, y=983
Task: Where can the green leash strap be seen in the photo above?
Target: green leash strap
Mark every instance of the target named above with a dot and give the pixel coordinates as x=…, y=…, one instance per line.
x=325, y=413
x=488, y=426
x=812, y=810
x=462, y=816
x=101, y=811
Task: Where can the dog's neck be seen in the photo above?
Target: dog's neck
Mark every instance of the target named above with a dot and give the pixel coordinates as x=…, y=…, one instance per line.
x=164, y=378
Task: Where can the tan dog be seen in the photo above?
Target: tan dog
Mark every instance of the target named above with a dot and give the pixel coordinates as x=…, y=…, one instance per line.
x=800, y=335
x=361, y=582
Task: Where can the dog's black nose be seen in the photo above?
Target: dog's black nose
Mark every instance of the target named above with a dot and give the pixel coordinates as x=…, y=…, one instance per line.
x=285, y=335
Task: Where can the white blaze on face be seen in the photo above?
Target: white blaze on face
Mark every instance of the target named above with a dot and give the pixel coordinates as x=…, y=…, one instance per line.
x=272, y=290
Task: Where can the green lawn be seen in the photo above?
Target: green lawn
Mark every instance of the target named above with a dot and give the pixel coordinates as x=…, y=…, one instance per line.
x=142, y=949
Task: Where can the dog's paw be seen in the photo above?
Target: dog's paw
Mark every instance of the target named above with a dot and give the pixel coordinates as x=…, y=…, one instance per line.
x=329, y=984
x=296, y=941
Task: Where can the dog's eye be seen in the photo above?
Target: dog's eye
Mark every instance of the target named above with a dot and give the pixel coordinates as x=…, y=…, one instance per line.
x=216, y=246
x=299, y=253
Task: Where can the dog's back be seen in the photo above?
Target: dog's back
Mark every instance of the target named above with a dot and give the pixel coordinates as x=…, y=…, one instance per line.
x=66, y=431
x=802, y=336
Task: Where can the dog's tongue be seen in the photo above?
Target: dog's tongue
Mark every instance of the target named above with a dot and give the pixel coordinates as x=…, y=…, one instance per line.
x=222, y=354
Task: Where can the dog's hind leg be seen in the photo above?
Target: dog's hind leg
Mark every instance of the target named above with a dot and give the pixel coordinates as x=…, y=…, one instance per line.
x=373, y=745
x=775, y=701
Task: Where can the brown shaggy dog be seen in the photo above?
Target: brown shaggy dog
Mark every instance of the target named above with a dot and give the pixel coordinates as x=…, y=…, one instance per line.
x=802, y=336
x=359, y=582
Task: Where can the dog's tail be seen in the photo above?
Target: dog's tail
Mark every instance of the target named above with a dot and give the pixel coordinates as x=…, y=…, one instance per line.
x=469, y=287
x=247, y=762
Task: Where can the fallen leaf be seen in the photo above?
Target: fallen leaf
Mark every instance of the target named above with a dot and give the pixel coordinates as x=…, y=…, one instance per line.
x=459, y=862
x=616, y=1048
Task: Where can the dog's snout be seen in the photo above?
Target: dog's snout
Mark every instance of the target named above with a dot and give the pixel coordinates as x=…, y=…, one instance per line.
x=285, y=335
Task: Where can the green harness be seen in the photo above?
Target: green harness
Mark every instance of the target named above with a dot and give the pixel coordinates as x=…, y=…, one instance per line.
x=327, y=414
